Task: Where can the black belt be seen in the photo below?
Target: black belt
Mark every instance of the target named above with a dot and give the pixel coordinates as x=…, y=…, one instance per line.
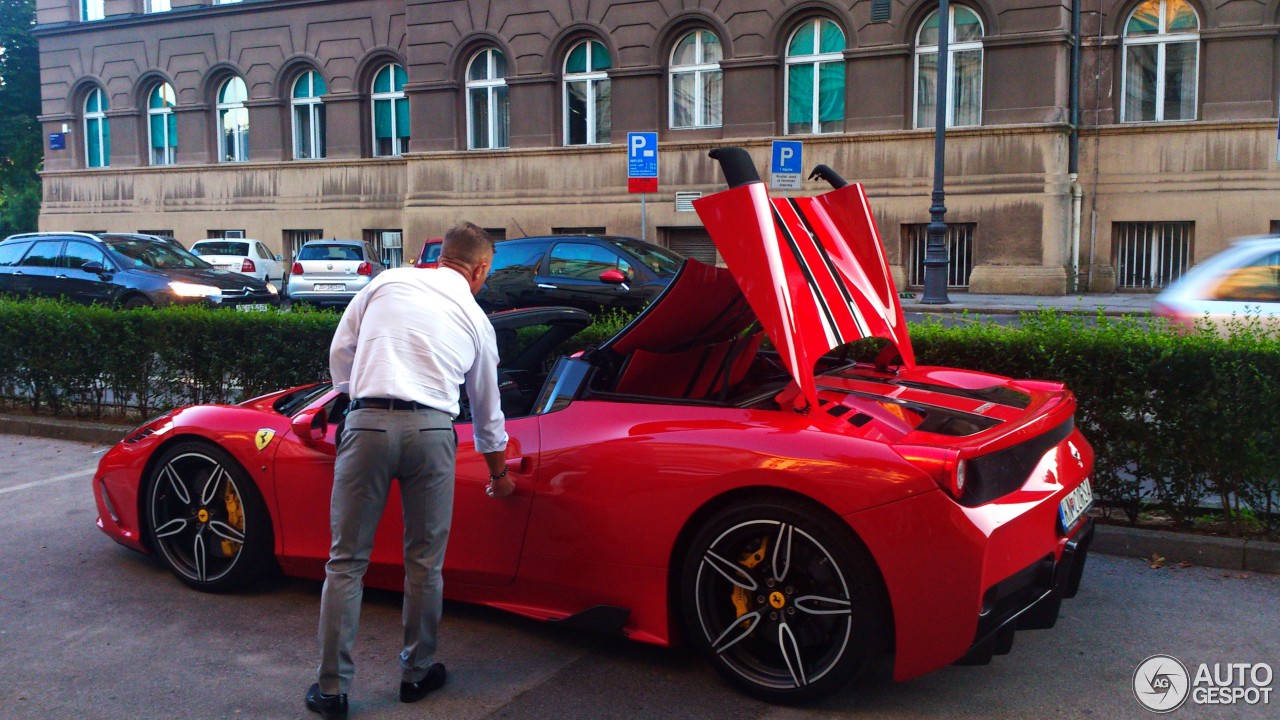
x=388, y=404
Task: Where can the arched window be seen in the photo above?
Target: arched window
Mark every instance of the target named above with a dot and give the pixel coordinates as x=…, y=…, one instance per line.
x=697, y=84
x=97, y=133
x=390, y=112
x=488, y=115
x=308, y=116
x=162, y=125
x=1161, y=61
x=815, y=78
x=587, y=95
x=964, y=69
x=233, y=121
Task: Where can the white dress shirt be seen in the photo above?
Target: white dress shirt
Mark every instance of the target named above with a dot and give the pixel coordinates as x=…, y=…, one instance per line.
x=417, y=334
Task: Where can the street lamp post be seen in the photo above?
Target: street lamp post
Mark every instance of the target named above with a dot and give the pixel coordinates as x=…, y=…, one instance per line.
x=935, y=253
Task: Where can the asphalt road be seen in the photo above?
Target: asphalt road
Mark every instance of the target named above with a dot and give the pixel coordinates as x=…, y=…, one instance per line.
x=89, y=629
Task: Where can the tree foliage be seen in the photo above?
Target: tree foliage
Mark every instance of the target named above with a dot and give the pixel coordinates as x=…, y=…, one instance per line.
x=21, y=147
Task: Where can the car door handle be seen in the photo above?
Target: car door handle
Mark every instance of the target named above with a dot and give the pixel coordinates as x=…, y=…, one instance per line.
x=545, y=286
x=59, y=277
x=519, y=465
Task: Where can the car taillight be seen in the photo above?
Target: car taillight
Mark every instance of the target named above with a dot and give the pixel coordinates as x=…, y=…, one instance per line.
x=364, y=269
x=247, y=266
x=296, y=269
x=946, y=466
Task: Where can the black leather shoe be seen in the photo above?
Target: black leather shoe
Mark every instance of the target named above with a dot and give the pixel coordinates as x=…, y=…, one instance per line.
x=415, y=691
x=330, y=707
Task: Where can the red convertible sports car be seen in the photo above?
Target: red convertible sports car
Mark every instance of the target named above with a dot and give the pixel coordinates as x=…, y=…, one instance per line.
x=714, y=474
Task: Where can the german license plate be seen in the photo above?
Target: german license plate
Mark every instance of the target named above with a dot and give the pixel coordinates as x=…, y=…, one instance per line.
x=1075, y=504
x=252, y=307
x=320, y=287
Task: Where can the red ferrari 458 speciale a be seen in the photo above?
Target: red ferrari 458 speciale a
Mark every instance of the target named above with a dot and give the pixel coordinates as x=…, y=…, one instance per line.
x=713, y=474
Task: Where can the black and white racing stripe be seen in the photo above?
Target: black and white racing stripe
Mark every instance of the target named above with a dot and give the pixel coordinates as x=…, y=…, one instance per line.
x=829, y=314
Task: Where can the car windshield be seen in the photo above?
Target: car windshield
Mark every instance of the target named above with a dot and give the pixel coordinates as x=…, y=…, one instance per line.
x=431, y=253
x=292, y=403
x=330, y=252
x=158, y=255
x=221, y=247
x=660, y=260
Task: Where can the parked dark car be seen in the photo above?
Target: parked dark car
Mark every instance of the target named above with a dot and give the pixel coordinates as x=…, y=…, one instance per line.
x=122, y=270
x=590, y=272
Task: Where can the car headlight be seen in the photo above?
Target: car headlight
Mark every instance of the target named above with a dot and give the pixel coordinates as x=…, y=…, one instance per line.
x=272, y=289
x=184, y=289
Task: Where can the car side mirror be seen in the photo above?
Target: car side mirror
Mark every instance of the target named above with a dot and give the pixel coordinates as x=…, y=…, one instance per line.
x=279, y=258
x=614, y=277
x=311, y=425
x=94, y=267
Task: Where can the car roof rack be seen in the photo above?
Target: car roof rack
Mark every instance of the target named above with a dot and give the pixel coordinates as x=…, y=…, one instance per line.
x=55, y=233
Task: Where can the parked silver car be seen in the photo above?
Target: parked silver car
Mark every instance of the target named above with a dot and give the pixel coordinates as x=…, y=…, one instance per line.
x=1238, y=284
x=331, y=272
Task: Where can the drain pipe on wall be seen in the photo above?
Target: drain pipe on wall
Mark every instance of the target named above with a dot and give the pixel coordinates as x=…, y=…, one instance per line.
x=1073, y=161
x=1097, y=149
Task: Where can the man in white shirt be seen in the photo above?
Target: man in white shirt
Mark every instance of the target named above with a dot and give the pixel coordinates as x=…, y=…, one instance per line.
x=404, y=345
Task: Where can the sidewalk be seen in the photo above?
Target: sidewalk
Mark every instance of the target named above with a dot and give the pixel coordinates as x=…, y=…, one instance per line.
x=1091, y=303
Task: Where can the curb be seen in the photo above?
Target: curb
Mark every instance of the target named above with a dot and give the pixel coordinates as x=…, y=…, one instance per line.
x=63, y=429
x=1204, y=550
x=958, y=309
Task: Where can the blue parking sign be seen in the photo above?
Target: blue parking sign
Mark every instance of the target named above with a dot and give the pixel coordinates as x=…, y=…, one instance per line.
x=787, y=157
x=642, y=154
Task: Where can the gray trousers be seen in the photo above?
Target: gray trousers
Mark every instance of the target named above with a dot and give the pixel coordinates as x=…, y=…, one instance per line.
x=418, y=449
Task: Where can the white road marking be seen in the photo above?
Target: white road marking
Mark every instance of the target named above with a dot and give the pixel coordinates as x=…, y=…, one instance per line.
x=48, y=481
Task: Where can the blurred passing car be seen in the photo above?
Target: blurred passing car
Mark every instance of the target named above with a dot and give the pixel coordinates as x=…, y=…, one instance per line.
x=242, y=255
x=122, y=270
x=589, y=272
x=331, y=272
x=430, y=256
x=1239, y=285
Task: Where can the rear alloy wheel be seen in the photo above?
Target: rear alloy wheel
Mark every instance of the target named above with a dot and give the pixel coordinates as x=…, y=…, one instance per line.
x=783, y=599
x=206, y=519
x=137, y=301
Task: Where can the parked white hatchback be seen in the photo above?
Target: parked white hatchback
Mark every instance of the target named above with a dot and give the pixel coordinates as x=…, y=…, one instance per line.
x=242, y=255
x=1239, y=284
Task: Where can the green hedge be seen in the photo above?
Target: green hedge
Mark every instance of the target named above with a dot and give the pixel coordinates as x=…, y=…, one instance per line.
x=96, y=361
x=1173, y=418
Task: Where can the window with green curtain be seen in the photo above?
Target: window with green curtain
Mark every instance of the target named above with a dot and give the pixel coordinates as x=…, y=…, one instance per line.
x=830, y=93
x=97, y=129
x=800, y=97
x=402, y=117
x=382, y=118
x=162, y=124
x=815, y=78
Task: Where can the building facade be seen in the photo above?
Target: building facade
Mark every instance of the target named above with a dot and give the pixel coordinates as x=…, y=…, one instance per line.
x=391, y=120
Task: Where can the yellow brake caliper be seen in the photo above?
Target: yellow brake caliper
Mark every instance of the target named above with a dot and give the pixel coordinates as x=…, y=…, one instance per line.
x=235, y=518
x=741, y=598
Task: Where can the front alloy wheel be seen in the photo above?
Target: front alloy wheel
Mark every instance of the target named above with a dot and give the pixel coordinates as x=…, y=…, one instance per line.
x=783, y=599
x=206, y=518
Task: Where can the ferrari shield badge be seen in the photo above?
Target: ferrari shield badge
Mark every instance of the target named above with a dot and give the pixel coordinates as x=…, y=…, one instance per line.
x=263, y=438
